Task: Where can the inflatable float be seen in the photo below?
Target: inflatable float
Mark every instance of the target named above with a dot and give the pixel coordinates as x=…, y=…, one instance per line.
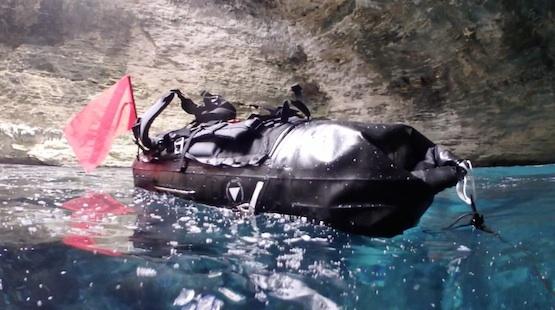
x=371, y=179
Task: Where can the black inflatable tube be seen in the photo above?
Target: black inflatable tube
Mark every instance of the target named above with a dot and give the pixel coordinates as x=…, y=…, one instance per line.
x=371, y=179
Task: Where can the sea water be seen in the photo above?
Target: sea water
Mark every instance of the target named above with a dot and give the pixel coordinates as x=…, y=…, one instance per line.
x=75, y=241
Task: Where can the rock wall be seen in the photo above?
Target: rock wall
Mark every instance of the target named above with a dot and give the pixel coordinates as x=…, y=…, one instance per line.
x=476, y=76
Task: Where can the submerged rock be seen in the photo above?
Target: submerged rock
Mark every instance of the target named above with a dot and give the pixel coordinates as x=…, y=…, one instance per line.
x=474, y=76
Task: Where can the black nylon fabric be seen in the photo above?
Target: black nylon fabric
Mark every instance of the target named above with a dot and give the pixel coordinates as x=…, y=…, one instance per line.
x=240, y=144
x=247, y=149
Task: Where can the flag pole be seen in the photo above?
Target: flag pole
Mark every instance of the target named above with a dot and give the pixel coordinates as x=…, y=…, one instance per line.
x=134, y=108
x=132, y=95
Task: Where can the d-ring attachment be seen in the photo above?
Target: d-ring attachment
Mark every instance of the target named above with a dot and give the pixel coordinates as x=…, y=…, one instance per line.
x=466, y=184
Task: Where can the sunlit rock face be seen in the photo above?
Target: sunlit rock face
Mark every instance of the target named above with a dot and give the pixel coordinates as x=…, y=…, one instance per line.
x=476, y=76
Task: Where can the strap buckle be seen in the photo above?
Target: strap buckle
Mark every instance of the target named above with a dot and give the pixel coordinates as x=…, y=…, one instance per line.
x=178, y=145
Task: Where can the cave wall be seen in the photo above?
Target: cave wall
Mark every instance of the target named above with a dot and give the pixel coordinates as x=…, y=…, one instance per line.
x=476, y=76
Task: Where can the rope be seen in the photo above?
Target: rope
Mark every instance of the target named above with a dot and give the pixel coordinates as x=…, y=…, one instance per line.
x=477, y=221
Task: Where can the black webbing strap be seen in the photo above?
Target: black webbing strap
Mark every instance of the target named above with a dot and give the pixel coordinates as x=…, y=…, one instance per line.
x=185, y=149
x=302, y=107
x=285, y=112
x=298, y=102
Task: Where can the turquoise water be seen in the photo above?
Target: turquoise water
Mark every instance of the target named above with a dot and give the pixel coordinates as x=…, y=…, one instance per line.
x=139, y=250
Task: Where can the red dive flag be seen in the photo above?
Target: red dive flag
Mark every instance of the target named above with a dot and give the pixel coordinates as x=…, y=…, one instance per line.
x=91, y=131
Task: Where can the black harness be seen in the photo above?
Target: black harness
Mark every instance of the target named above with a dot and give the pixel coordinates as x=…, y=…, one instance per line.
x=211, y=137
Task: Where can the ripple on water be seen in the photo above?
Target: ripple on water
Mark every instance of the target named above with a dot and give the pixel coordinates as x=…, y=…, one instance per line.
x=156, y=251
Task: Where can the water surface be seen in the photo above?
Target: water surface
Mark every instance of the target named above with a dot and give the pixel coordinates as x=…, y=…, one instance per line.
x=130, y=249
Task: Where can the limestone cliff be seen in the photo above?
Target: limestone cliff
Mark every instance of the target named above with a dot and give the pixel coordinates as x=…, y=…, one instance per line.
x=476, y=76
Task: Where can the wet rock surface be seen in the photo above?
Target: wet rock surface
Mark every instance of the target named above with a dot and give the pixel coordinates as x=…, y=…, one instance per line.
x=475, y=76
